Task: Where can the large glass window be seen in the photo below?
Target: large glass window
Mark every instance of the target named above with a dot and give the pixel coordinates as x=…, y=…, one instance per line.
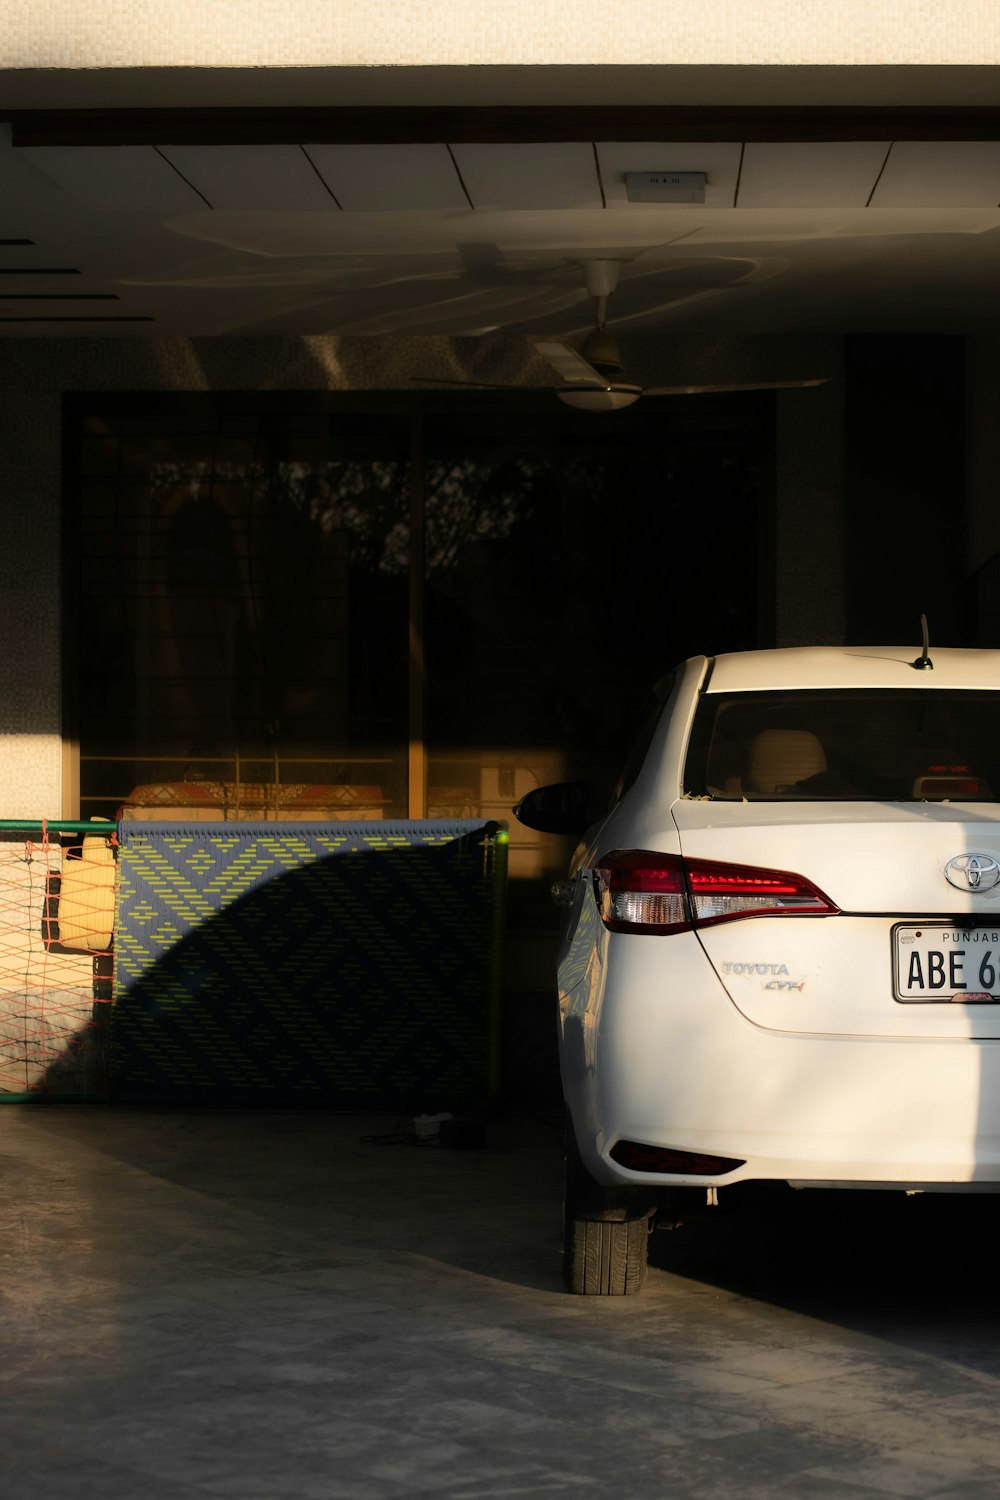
x=391, y=604
x=570, y=561
x=242, y=608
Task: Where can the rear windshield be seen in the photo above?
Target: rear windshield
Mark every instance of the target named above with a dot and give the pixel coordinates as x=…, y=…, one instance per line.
x=850, y=744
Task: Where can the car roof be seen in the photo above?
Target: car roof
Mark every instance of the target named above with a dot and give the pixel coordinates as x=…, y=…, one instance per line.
x=798, y=667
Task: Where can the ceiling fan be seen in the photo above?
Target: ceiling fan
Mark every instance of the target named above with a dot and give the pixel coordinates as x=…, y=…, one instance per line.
x=591, y=374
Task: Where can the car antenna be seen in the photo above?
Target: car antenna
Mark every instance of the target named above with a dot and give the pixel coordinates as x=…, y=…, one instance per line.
x=923, y=661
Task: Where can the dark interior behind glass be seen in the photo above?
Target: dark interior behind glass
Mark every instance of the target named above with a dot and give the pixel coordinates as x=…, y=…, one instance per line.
x=248, y=581
x=918, y=744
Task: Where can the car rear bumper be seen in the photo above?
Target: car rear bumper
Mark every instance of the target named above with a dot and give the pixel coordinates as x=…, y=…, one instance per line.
x=677, y=1065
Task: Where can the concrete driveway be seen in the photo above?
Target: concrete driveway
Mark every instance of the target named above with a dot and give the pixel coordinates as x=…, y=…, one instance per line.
x=258, y=1305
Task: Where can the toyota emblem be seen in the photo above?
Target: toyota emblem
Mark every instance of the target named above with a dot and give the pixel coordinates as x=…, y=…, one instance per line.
x=972, y=872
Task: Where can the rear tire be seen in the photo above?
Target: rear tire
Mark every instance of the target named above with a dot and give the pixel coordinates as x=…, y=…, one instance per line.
x=605, y=1258
x=605, y=1236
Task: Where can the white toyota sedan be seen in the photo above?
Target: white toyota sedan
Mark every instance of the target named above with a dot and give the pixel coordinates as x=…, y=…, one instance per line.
x=782, y=956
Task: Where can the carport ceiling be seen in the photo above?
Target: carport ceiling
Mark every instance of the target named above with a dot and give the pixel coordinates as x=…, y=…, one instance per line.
x=178, y=228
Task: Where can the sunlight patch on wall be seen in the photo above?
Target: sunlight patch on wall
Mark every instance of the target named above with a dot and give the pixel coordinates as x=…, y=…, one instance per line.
x=414, y=33
x=30, y=775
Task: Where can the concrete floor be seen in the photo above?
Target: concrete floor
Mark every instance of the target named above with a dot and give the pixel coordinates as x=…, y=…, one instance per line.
x=260, y=1306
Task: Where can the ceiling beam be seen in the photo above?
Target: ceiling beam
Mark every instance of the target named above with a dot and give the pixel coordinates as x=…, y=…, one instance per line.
x=381, y=125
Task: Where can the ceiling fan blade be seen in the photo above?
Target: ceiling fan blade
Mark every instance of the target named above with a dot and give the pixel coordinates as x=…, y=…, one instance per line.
x=570, y=365
x=482, y=385
x=743, y=385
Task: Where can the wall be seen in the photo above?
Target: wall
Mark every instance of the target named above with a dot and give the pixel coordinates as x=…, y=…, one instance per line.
x=983, y=377
x=983, y=479
x=314, y=33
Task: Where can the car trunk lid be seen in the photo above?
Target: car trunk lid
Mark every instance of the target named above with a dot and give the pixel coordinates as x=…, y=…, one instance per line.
x=883, y=865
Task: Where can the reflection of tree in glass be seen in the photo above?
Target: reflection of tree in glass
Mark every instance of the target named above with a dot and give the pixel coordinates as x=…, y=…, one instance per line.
x=493, y=596
x=466, y=501
x=369, y=501
x=470, y=501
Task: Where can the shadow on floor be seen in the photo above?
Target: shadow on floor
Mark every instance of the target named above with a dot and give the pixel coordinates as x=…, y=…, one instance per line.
x=916, y=1273
x=914, y=1270
x=315, y=1178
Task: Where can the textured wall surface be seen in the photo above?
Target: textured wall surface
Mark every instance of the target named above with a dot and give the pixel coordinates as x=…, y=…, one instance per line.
x=983, y=377
x=318, y=33
x=30, y=750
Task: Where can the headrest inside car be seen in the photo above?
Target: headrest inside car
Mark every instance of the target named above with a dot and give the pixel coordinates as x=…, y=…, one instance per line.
x=778, y=758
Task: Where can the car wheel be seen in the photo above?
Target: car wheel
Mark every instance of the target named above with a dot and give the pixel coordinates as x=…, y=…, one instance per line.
x=605, y=1258
x=605, y=1236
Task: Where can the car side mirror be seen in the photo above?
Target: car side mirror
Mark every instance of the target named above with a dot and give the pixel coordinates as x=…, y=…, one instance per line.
x=561, y=808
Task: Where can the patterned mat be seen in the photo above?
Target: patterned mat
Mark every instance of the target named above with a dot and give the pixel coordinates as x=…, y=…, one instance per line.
x=337, y=965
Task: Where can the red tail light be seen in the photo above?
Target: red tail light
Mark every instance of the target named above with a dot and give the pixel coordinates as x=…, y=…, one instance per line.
x=640, y=892
x=720, y=891
x=662, y=893
x=947, y=786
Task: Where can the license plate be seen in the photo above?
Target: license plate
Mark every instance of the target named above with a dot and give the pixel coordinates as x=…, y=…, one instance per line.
x=946, y=964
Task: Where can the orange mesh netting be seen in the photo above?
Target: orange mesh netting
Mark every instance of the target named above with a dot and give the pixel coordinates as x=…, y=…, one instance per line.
x=57, y=903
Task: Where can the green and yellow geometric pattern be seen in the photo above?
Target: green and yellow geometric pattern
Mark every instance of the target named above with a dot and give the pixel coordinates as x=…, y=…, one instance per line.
x=336, y=965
